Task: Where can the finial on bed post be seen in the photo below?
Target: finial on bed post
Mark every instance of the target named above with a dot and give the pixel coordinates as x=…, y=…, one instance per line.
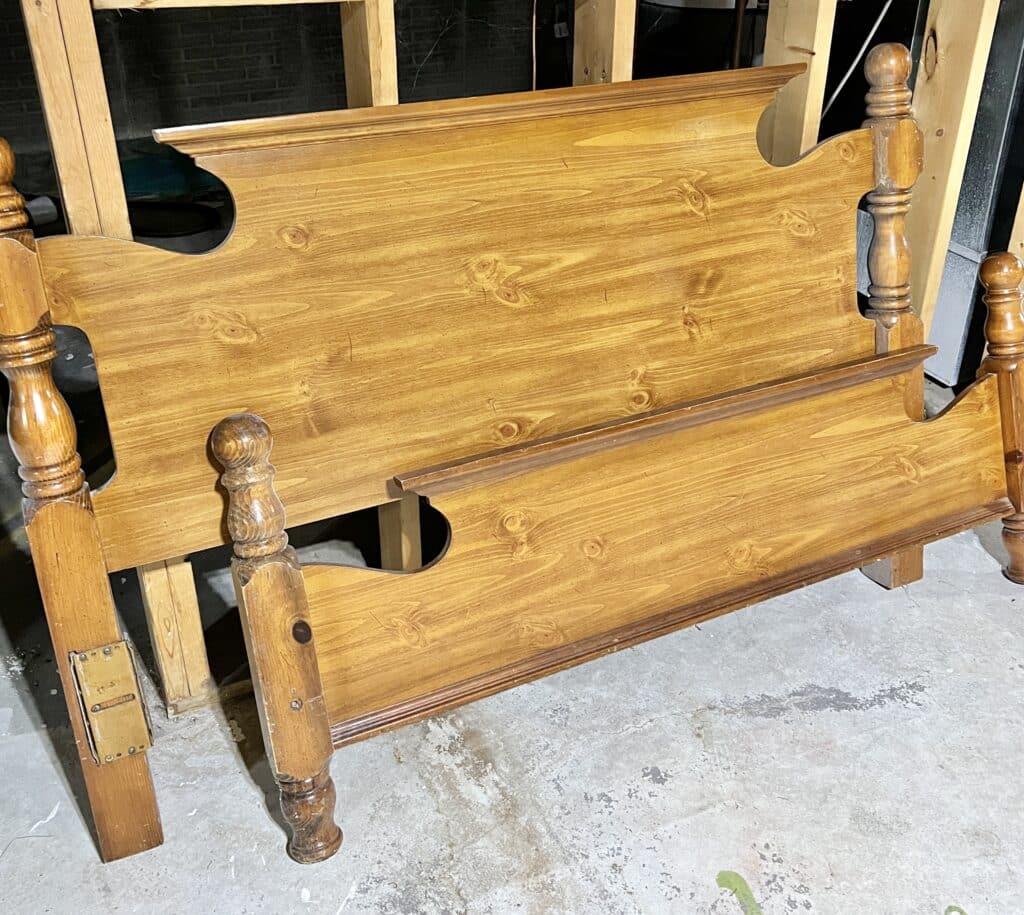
x=898, y=146
x=279, y=639
x=13, y=217
x=1001, y=275
x=898, y=152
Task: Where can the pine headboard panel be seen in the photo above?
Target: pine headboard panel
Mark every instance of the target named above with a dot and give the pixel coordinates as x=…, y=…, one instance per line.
x=410, y=285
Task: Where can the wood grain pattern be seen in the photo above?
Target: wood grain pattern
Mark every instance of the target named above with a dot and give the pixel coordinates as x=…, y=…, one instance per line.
x=947, y=92
x=798, y=31
x=603, y=36
x=176, y=631
x=278, y=638
x=1002, y=276
x=559, y=272
x=898, y=152
x=684, y=522
x=371, y=64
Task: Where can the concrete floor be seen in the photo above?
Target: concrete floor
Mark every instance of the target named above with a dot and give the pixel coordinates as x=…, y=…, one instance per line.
x=837, y=750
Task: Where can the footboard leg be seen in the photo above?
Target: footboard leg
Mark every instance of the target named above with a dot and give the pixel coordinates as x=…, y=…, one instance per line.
x=278, y=637
x=897, y=142
x=1001, y=276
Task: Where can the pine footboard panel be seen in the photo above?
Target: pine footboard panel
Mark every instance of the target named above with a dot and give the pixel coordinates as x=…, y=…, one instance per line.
x=553, y=563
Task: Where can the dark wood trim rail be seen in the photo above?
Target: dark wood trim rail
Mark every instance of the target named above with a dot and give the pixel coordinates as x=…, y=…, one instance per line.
x=495, y=465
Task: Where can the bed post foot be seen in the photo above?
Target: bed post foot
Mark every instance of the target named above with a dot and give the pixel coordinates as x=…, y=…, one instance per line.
x=1001, y=275
x=278, y=638
x=308, y=806
x=1013, y=540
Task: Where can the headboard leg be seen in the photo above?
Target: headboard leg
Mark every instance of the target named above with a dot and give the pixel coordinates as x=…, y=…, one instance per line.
x=897, y=142
x=1001, y=276
x=282, y=653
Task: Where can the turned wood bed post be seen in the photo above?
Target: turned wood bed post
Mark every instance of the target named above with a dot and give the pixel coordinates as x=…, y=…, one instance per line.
x=282, y=654
x=1001, y=276
x=62, y=531
x=898, y=146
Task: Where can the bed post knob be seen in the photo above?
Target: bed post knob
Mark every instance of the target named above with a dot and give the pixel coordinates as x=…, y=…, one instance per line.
x=256, y=516
x=12, y=205
x=1002, y=275
x=887, y=69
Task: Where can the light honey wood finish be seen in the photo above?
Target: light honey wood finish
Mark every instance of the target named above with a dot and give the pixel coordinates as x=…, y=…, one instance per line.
x=1016, y=244
x=957, y=40
x=59, y=521
x=798, y=31
x=176, y=629
x=278, y=639
x=70, y=79
x=1002, y=275
x=603, y=36
x=647, y=536
x=371, y=61
x=591, y=253
x=184, y=4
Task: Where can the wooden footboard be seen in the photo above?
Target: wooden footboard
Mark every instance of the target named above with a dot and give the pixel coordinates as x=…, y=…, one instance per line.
x=567, y=548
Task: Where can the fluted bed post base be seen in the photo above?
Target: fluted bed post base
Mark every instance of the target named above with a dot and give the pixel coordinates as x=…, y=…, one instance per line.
x=308, y=807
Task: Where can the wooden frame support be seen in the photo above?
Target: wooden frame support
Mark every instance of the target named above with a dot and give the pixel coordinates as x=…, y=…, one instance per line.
x=368, y=45
x=176, y=630
x=798, y=31
x=61, y=527
x=947, y=90
x=70, y=77
x=1002, y=275
x=278, y=637
x=898, y=145
x=603, y=38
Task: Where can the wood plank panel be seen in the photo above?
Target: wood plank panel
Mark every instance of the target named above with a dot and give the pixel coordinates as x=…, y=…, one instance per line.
x=693, y=519
x=384, y=304
x=946, y=96
x=798, y=31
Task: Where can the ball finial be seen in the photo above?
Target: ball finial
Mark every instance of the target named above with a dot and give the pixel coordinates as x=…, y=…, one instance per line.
x=13, y=217
x=241, y=441
x=888, y=66
x=6, y=162
x=1002, y=272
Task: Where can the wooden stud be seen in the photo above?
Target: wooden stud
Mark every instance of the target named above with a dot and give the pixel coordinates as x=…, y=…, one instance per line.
x=371, y=62
x=1002, y=275
x=65, y=52
x=603, y=37
x=278, y=637
x=798, y=31
x=70, y=78
x=176, y=629
x=61, y=527
x=897, y=141
x=946, y=95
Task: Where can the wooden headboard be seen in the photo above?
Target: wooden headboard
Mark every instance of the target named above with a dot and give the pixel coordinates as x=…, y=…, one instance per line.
x=409, y=285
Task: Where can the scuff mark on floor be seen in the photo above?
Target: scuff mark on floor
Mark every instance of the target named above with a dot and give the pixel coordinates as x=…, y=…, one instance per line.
x=813, y=698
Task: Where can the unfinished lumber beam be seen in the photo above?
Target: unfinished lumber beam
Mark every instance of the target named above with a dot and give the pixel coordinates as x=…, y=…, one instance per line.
x=798, y=31
x=603, y=41
x=371, y=62
x=946, y=94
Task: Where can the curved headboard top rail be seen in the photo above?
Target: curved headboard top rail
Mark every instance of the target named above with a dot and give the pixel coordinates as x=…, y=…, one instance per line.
x=448, y=114
x=413, y=297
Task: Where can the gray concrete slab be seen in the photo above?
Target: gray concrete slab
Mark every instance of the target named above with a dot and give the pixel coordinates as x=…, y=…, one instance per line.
x=841, y=749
